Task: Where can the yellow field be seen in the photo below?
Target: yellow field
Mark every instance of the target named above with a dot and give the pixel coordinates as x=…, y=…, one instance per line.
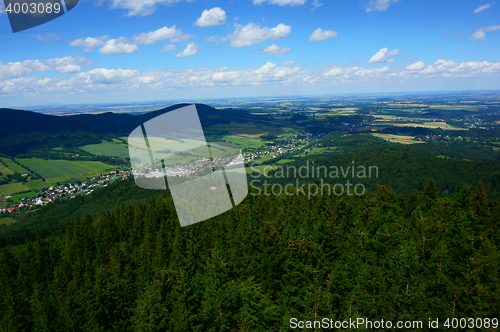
x=397, y=138
x=434, y=125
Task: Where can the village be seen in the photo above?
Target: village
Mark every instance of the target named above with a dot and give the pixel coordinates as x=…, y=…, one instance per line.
x=65, y=191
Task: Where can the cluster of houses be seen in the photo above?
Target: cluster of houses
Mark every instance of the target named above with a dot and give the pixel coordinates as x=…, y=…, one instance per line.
x=68, y=191
x=274, y=150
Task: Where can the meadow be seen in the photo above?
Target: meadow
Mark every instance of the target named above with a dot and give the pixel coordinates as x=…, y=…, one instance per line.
x=11, y=188
x=6, y=221
x=15, y=168
x=111, y=149
x=244, y=142
x=398, y=138
x=63, y=169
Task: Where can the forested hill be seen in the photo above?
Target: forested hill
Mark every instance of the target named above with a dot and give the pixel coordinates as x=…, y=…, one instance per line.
x=24, y=130
x=270, y=259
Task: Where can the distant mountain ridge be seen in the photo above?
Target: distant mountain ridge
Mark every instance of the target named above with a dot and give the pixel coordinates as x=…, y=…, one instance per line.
x=21, y=130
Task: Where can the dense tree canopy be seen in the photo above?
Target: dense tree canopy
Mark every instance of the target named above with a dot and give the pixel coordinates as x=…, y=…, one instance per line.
x=381, y=256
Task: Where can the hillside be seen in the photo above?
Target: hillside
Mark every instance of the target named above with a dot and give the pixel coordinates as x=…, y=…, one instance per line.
x=261, y=264
x=23, y=131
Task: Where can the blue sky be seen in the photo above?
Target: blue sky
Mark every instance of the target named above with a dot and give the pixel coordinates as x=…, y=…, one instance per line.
x=140, y=50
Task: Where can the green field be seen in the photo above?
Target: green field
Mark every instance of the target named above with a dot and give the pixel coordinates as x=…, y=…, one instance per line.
x=6, y=221
x=66, y=179
x=50, y=169
x=284, y=161
x=13, y=166
x=12, y=188
x=244, y=142
x=17, y=198
x=36, y=184
x=112, y=149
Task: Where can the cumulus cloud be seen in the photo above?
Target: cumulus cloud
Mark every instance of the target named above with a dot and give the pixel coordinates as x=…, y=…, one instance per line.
x=416, y=66
x=379, y=5
x=140, y=7
x=319, y=34
x=89, y=43
x=252, y=34
x=316, y=4
x=115, y=47
x=123, y=45
x=191, y=49
x=480, y=34
x=273, y=49
x=29, y=67
x=384, y=55
x=481, y=8
x=68, y=69
x=214, y=16
x=168, y=47
x=281, y=2
x=173, y=34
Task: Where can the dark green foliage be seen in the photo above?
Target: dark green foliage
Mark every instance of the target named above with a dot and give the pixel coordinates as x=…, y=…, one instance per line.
x=253, y=268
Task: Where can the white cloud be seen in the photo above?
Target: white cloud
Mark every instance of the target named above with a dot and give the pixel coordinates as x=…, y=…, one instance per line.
x=191, y=49
x=481, y=8
x=252, y=34
x=319, y=34
x=29, y=67
x=140, y=7
x=384, y=55
x=273, y=49
x=479, y=35
x=46, y=36
x=281, y=2
x=123, y=45
x=214, y=16
x=173, y=34
x=444, y=31
x=88, y=43
x=103, y=81
x=68, y=69
x=2, y=8
x=316, y=4
x=168, y=47
x=379, y=5
x=416, y=66
x=115, y=47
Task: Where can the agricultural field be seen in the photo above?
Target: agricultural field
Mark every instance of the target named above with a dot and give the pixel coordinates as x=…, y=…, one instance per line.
x=244, y=142
x=246, y=130
x=51, y=169
x=432, y=125
x=263, y=169
x=12, y=188
x=398, y=138
x=36, y=184
x=15, y=168
x=111, y=149
x=6, y=221
x=4, y=170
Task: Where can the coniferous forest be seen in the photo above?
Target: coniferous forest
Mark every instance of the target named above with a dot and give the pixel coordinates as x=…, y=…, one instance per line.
x=255, y=267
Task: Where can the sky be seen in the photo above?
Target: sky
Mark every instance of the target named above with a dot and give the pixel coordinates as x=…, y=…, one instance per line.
x=141, y=50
